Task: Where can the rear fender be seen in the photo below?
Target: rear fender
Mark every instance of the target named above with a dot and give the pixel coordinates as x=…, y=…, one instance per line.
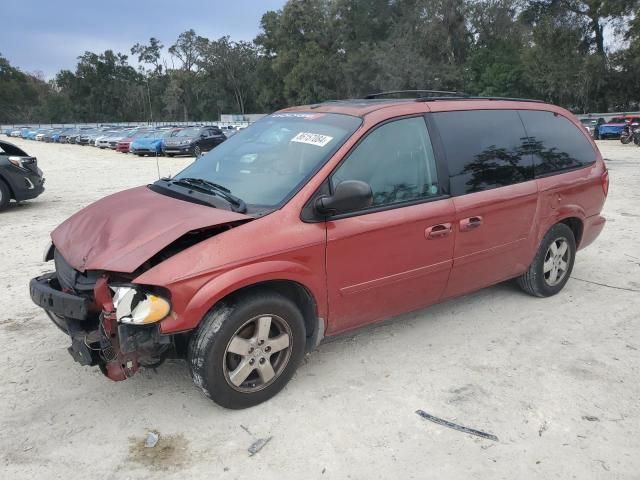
x=557, y=215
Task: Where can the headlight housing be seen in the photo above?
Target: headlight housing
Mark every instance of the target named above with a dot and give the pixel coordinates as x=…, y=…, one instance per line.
x=137, y=306
x=18, y=161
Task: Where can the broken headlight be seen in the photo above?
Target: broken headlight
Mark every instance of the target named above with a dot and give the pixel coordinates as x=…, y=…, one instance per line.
x=136, y=306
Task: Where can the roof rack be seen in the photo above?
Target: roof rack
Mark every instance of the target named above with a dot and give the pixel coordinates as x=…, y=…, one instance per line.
x=435, y=95
x=469, y=97
x=419, y=94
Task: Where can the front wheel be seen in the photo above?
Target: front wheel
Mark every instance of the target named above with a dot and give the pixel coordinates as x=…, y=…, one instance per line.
x=552, y=265
x=246, y=351
x=625, y=139
x=5, y=195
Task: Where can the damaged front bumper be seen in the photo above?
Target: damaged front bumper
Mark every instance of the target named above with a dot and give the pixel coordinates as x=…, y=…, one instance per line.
x=97, y=338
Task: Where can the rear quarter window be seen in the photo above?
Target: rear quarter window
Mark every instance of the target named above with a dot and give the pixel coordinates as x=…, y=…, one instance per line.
x=484, y=149
x=555, y=143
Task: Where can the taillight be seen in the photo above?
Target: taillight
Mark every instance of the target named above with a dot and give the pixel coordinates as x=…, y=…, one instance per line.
x=605, y=182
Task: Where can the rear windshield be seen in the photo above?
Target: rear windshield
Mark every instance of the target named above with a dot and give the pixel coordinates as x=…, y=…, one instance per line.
x=267, y=162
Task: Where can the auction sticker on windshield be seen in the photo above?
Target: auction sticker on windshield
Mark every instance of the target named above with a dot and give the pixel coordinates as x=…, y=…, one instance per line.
x=316, y=139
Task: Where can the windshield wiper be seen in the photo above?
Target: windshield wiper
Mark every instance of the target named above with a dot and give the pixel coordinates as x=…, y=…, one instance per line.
x=215, y=189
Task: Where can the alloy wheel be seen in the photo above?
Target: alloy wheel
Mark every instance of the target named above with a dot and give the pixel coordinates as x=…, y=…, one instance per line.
x=556, y=261
x=257, y=353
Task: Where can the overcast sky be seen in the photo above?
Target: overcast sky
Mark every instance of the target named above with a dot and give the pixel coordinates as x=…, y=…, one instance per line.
x=44, y=35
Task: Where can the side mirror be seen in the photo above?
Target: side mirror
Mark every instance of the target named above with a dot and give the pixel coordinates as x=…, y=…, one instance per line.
x=348, y=196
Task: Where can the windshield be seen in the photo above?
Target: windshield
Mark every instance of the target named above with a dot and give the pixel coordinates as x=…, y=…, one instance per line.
x=616, y=120
x=188, y=132
x=266, y=162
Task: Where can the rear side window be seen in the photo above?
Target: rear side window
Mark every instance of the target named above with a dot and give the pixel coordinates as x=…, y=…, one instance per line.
x=484, y=149
x=555, y=143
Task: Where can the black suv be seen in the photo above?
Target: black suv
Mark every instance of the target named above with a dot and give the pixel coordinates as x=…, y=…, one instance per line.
x=193, y=141
x=20, y=177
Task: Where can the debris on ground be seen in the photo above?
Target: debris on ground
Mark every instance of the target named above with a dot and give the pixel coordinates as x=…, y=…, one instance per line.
x=543, y=428
x=590, y=418
x=169, y=452
x=455, y=426
x=258, y=445
x=151, y=440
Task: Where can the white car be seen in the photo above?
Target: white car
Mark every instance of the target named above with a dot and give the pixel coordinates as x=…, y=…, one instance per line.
x=103, y=140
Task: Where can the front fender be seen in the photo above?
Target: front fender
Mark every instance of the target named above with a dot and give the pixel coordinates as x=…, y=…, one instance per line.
x=228, y=282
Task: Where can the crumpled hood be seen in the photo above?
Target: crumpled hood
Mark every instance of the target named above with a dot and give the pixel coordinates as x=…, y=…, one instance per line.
x=120, y=232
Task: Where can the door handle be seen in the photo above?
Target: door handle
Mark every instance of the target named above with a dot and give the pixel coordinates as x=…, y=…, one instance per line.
x=437, y=231
x=471, y=223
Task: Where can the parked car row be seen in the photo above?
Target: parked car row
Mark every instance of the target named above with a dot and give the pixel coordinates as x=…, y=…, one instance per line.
x=600, y=129
x=144, y=140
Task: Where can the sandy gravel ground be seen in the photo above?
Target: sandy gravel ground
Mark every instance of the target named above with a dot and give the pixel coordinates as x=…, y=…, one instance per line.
x=555, y=379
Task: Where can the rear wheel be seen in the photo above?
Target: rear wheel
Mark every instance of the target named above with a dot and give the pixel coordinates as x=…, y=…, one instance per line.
x=553, y=263
x=245, y=352
x=5, y=195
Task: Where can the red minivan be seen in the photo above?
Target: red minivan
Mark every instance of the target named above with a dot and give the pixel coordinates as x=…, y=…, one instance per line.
x=317, y=220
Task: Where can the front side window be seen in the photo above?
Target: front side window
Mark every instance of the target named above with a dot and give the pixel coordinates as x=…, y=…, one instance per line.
x=555, y=143
x=485, y=149
x=265, y=163
x=397, y=160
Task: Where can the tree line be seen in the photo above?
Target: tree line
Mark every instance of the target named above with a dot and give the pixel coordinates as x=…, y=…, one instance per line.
x=314, y=50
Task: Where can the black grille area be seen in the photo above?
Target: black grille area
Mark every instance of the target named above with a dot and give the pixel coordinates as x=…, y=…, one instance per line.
x=71, y=279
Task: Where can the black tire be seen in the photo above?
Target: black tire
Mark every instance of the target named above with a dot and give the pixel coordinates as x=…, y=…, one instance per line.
x=170, y=155
x=209, y=360
x=5, y=195
x=534, y=281
x=625, y=139
x=197, y=151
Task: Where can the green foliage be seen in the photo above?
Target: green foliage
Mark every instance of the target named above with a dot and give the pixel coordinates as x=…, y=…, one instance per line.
x=314, y=50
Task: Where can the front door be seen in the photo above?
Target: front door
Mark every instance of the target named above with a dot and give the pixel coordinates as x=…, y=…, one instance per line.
x=396, y=256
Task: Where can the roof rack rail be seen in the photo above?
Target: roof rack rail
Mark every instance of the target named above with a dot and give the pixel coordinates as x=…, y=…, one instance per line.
x=469, y=97
x=419, y=94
